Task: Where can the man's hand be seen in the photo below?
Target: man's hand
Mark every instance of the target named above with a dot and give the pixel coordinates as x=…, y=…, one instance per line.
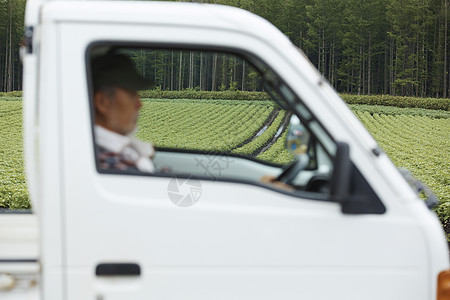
x=271, y=180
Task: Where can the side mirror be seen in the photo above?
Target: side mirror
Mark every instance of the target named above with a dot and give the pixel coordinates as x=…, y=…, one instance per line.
x=341, y=176
x=349, y=188
x=297, y=137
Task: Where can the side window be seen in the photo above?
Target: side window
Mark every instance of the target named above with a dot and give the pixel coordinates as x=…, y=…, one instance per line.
x=208, y=114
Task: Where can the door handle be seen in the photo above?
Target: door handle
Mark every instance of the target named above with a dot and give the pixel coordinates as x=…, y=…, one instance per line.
x=118, y=269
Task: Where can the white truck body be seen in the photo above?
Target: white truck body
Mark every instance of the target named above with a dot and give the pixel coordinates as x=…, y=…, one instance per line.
x=241, y=240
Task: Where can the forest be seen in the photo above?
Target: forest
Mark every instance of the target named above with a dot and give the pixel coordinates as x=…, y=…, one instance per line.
x=364, y=47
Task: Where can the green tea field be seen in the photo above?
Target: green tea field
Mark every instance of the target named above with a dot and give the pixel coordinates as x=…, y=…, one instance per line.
x=415, y=139
x=13, y=190
x=186, y=124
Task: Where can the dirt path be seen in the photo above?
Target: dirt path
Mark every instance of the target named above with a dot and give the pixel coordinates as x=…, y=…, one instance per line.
x=284, y=124
x=262, y=129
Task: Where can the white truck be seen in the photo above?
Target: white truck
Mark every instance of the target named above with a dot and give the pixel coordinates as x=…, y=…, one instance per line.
x=341, y=224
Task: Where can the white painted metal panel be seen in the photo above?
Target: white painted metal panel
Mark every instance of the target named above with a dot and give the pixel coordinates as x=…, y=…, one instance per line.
x=239, y=241
x=19, y=237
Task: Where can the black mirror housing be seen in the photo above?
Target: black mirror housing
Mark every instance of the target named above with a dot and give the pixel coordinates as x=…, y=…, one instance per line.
x=349, y=188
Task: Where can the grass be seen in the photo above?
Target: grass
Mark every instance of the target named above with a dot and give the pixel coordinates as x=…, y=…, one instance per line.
x=13, y=190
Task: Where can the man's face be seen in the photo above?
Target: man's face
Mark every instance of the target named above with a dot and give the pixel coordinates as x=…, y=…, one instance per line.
x=118, y=111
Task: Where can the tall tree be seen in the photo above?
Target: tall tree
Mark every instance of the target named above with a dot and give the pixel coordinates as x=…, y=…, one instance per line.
x=362, y=46
x=11, y=30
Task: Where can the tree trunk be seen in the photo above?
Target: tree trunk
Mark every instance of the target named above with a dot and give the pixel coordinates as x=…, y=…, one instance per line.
x=5, y=76
x=319, y=53
x=201, y=72
x=243, y=87
x=191, y=70
x=391, y=76
x=361, y=68
x=234, y=69
x=417, y=86
x=9, y=68
x=155, y=69
x=333, y=63
x=214, y=72
x=369, y=67
x=180, y=73
x=224, y=72
x=323, y=52
x=348, y=81
x=329, y=64
x=171, y=70
x=425, y=65
x=386, y=69
x=444, y=90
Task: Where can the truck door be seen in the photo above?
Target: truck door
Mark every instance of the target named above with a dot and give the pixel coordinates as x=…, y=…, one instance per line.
x=222, y=216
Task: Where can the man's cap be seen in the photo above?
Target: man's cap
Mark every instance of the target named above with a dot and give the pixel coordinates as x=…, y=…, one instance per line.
x=111, y=70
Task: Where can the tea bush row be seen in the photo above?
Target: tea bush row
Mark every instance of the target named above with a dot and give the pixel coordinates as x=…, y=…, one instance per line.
x=397, y=101
x=384, y=100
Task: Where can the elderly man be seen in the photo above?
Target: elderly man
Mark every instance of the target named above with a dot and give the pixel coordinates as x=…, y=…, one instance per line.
x=117, y=104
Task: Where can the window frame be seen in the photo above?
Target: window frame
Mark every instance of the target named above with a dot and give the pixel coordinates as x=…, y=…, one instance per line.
x=249, y=58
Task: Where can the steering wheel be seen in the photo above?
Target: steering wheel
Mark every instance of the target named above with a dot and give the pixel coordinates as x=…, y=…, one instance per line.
x=288, y=175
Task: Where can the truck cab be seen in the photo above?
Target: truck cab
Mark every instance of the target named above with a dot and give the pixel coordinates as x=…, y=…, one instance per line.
x=335, y=219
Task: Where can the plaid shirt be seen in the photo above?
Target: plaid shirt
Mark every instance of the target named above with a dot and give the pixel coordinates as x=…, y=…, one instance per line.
x=114, y=161
x=122, y=152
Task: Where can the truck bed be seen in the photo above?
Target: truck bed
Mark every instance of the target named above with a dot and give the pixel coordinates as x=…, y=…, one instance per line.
x=19, y=265
x=18, y=236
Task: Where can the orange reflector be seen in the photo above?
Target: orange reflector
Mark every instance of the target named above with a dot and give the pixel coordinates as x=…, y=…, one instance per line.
x=443, y=287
